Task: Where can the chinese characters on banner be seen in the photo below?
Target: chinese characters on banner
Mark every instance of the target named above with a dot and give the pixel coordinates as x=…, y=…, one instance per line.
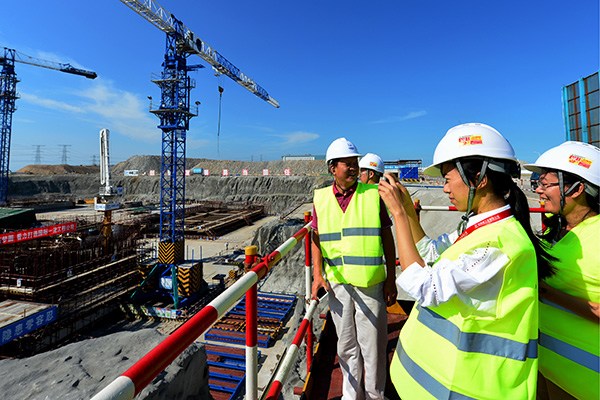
x=36, y=233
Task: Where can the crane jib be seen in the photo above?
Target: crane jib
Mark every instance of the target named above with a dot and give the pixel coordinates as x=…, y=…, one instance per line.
x=16, y=56
x=154, y=13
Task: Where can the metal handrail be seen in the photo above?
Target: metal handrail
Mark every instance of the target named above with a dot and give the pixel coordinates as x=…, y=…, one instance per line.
x=139, y=375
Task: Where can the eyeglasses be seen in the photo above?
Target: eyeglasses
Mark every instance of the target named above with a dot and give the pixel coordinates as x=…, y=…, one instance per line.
x=545, y=186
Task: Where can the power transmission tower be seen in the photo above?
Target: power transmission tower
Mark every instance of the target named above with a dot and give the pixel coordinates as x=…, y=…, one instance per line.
x=94, y=162
x=64, y=159
x=38, y=153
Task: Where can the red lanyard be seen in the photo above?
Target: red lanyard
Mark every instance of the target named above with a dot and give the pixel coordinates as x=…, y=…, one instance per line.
x=489, y=220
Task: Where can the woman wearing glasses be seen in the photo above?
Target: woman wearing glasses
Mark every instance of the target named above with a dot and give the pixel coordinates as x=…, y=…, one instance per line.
x=473, y=331
x=569, y=310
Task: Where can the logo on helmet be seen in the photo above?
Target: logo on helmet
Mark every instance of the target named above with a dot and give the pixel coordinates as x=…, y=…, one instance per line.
x=372, y=164
x=470, y=140
x=580, y=161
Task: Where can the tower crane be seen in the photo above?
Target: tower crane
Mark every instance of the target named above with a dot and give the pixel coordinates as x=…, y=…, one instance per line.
x=174, y=113
x=8, y=95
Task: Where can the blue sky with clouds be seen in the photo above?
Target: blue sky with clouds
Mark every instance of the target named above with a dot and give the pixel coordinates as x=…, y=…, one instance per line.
x=392, y=76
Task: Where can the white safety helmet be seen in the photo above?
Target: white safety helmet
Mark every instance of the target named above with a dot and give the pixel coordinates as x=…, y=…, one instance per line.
x=472, y=140
x=341, y=148
x=371, y=161
x=578, y=158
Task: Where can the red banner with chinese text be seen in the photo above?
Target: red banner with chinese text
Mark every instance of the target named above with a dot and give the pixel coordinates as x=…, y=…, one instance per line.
x=37, y=233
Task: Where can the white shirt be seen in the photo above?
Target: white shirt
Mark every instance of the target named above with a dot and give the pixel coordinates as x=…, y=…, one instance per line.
x=473, y=277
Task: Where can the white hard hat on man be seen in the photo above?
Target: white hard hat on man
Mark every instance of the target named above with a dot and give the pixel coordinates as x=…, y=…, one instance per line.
x=341, y=148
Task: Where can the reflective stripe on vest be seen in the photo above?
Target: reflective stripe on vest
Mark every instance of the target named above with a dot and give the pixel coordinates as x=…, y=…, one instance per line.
x=436, y=389
x=457, y=351
x=571, y=352
x=476, y=342
x=328, y=237
x=354, y=260
x=351, y=240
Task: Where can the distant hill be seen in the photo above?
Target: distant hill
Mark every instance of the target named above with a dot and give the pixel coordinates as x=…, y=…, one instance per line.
x=297, y=167
x=144, y=164
x=61, y=169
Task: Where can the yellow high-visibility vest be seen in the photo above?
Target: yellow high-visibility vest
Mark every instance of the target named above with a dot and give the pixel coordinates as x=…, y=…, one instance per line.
x=351, y=241
x=569, y=344
x=454, y=350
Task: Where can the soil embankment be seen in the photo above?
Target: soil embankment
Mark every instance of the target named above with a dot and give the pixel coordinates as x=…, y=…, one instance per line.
x=276, y=191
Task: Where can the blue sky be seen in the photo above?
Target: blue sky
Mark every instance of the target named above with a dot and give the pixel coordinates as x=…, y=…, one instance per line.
x=392, y=76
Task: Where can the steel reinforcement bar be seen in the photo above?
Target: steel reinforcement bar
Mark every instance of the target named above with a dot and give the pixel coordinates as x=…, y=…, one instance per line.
x=139, y=375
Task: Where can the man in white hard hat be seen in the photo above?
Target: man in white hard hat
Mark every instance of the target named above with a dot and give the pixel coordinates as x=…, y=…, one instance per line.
x=351, y=240
x=371, y=168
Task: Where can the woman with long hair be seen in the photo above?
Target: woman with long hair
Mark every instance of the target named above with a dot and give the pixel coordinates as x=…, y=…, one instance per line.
x=473, y=330
x=569, y=349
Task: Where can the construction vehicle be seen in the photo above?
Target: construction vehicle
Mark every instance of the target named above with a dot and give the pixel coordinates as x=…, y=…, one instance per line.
x=174, y=112
x=105, y=201
x=8, y=96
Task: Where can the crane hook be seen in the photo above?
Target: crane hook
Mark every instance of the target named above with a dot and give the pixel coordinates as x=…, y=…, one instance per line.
x=219, y=119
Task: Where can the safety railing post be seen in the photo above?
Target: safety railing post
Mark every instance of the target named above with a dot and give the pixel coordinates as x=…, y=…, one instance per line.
x=308, y=290
x=131, y=382
x=251, y=329
x=286, y=364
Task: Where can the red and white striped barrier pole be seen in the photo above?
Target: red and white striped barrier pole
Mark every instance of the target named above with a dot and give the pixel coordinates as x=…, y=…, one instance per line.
x=290, y=356
x=140, y=374
x=307, y=262
x=436, y=208
x=251, y=330
x=308, y=290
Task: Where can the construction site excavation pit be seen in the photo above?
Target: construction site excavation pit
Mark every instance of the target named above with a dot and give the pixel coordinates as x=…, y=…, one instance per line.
x=93, y=339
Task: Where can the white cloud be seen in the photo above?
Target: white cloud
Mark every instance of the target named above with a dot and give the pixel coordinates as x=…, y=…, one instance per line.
x=122, y=112
x=400, y=118
x=296, y=138
x=50, y=103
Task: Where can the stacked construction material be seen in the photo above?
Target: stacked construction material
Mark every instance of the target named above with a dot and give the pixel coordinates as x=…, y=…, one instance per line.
x=226, y=371
x=273, y=311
